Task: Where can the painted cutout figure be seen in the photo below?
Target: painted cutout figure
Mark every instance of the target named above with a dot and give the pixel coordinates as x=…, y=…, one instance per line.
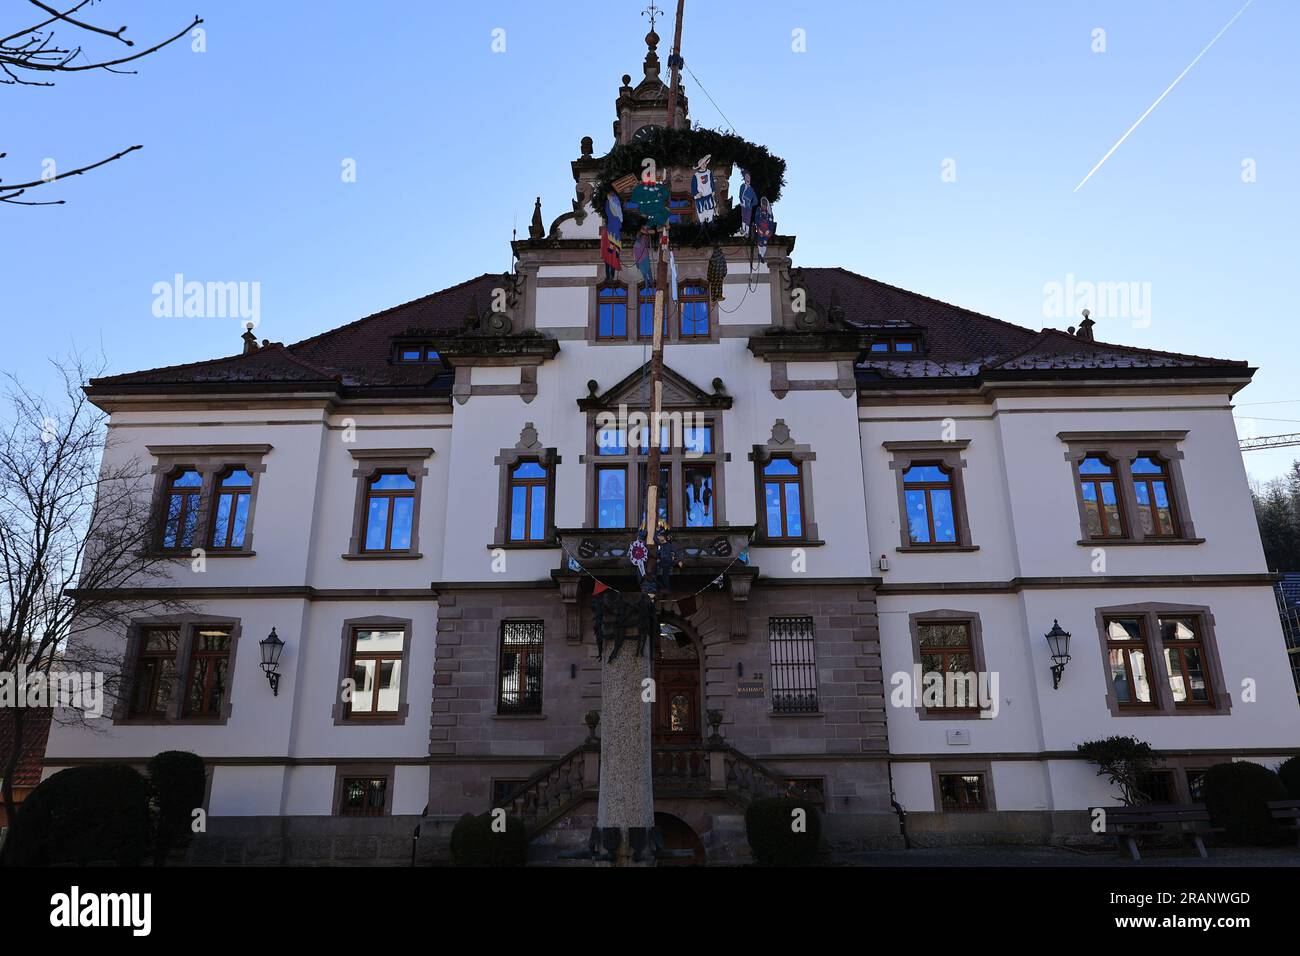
x=748, y=200
x=764, y=227
x=651, y=198
x=611, y=237
x=641, y=255
x=702, y=191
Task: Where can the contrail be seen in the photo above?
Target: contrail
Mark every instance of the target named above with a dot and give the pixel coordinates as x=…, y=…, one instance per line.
x=1163, y=95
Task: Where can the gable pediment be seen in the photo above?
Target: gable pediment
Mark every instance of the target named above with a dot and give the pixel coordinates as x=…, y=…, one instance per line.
x=634, y=392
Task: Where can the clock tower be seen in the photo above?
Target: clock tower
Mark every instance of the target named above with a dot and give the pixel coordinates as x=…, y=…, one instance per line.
x=645, y=106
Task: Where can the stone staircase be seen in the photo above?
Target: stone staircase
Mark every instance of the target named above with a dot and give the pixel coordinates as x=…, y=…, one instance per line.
x=708, y=770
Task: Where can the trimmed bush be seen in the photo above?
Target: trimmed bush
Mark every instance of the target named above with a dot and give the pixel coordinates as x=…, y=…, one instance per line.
x=177, y=780
x=83, y=815
x=1237, y=796
x=1289, y=771
x=769, y=827
x=474, y=843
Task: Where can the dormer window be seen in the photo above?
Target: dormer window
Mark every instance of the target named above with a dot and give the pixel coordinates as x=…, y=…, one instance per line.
x=412, y=354
x=896, y=345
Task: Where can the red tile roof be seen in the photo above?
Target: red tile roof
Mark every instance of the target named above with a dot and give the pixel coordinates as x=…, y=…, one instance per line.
x=36, y=730
x=958, y=343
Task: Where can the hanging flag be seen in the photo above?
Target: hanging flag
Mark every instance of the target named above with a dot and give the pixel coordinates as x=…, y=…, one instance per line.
x=611, y=237
x=672, y=267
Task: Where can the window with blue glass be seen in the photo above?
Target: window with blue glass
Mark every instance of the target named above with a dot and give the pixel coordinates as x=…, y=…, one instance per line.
x=611, y=496
x=234, y=494
x=1099, y=486
x=181, y=516
x=390, y=512
x=693, y=301
x=1154, y=502
x=928, y=495
x=782, y=492
x=528, y=487
x=611, y=311
x=646, y=314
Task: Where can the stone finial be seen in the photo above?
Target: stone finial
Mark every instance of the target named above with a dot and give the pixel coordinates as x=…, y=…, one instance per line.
x=250, y=340
x=651, y=65
x=1085, y=327
x=586, y=146
x=528, y=439
x=780, y=433
x=535, y=228
x=592, y=385
x=718, y=388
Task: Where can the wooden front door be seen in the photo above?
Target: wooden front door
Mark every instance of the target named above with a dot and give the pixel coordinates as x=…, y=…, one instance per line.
x=677, y=717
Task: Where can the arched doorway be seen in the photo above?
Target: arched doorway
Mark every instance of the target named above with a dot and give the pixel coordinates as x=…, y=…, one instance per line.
x=679, y=836
x=677, y=707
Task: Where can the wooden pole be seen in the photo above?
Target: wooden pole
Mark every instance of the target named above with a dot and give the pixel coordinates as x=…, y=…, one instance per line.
x=657, y=343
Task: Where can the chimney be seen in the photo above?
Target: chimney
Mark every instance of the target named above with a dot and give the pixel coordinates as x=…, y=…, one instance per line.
x=1085, y=328
x=250, y=340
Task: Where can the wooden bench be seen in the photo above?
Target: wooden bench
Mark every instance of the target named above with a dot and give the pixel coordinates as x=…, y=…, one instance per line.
x=1128, y=823
x=1287, y=813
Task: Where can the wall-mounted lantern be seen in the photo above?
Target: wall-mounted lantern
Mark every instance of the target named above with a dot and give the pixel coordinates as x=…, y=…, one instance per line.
x=883, y=563
x=1059, y=642
x=272, y=647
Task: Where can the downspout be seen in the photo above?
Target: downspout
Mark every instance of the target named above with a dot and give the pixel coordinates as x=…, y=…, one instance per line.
x=898, y=807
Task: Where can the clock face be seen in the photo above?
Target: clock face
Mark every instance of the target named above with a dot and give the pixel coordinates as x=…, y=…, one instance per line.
x=645, y=131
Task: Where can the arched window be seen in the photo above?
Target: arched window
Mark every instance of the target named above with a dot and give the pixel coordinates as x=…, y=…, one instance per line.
x=1097, y=482
x=182, y=516
x=230, y=508
x=1154, y=502
x=390, y=511
x=611, y=311
x=528, y=481
x=783, y=498
x=927, y=495
x=693, y=299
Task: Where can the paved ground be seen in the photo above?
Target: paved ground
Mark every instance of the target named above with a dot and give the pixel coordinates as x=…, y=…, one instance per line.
x=1037, y=856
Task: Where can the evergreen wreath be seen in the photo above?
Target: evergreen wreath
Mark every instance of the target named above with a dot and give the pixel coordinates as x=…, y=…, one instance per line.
x=671, y=148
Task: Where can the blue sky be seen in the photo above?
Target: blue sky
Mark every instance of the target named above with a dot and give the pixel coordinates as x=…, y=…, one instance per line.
x=240, y=178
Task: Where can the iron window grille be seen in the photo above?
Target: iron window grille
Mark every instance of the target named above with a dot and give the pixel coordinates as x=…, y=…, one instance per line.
x=520, y=686
x=793, y=664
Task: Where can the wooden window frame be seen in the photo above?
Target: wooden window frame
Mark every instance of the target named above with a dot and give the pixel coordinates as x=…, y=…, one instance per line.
x=949, y=484
x=160, y=688
x=341, y=711
x=963, y=768
x=191, y=504
x=781, y=481
x=371, y=463
x=676, y=459
x=601, y=289
x=1097, y=483
x=975, y=632
x=234, y=493
x=345, y=772
x=1163, y=705
x=197, y=655
x=528, y=485
x=391, y=496
x=783, y=445
x=211, y=462
x=1122, y=448
x=1149, y=480
x=176, y=696
x=528, y=448
x=524, y=651
x=949, y=456
x=1181, y=647
x=695, y=299
x=685, y=503
x=1126, y=649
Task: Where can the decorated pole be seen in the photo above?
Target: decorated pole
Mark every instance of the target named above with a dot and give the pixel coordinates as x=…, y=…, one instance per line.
x=657, y=346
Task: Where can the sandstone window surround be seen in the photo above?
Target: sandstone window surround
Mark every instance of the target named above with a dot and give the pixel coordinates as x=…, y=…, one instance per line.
x=521, y=667
x=1164, y=654
x=211, y=464
x=342, y=711
x=1122, y=449
x=174, y=685
x=363, y=790
x=691, y=492
x=782, y=446
x=529, y=449
x=373, y=464
x=955, y=640
x=963, y=786
x=617, y=319
x=947, y=457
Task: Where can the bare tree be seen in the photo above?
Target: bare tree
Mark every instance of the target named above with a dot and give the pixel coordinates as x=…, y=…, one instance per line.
x=78, y=555
x=36, y=51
